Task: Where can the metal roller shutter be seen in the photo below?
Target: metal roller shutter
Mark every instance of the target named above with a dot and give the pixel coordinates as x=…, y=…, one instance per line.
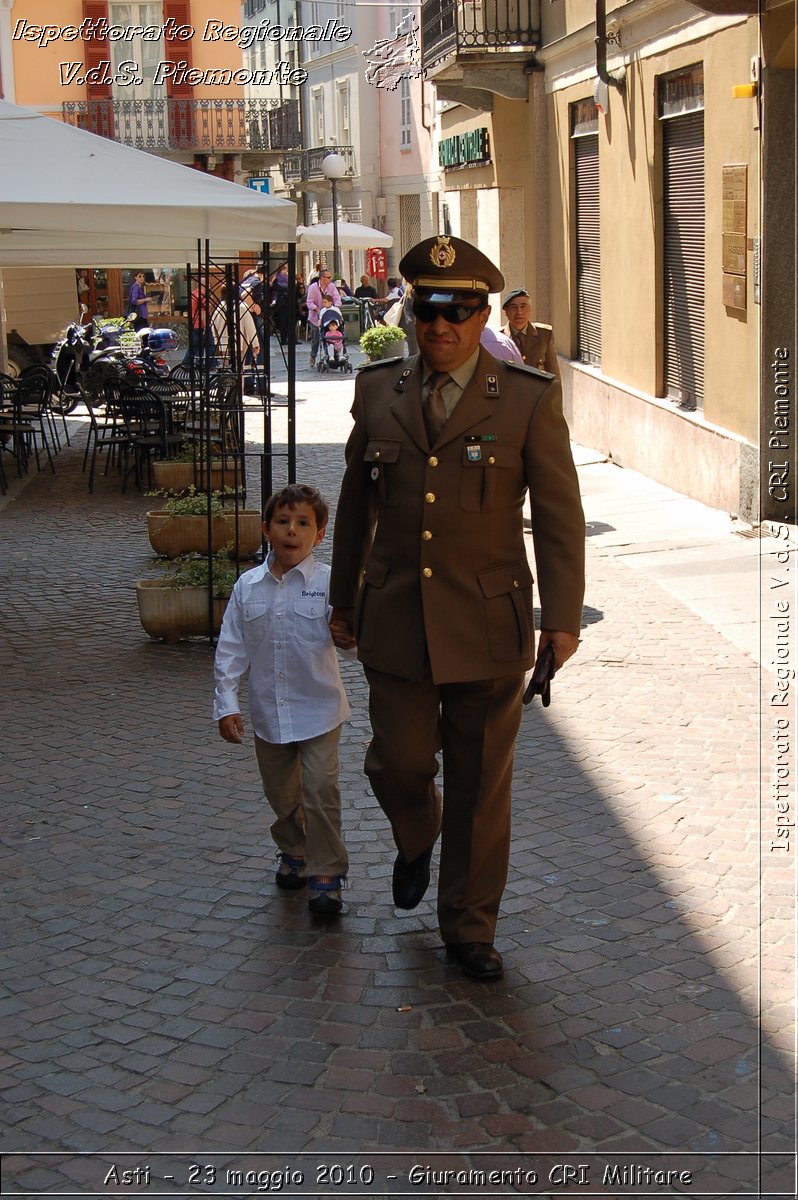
x=588, y=250
x=683, y=162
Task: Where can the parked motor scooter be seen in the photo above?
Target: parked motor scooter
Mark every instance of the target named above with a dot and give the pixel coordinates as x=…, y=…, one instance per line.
x=86, y=356
x=70, y=363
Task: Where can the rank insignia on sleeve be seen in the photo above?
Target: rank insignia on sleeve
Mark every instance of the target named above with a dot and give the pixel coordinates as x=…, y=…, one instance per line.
x=492, y=385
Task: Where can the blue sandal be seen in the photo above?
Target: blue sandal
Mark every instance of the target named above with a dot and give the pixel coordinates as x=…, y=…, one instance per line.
x=290, y=872
x=325, y=894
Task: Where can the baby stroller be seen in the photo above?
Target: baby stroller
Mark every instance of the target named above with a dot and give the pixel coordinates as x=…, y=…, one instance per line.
x=332, y=342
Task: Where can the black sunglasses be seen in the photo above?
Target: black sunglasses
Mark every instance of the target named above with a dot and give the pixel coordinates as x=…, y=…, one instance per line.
x=455, y=314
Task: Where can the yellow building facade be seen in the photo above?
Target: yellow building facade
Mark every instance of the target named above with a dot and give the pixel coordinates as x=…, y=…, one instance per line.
x=641, y=211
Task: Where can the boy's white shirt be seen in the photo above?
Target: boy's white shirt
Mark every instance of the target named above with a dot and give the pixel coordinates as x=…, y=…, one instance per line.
x=278, y=630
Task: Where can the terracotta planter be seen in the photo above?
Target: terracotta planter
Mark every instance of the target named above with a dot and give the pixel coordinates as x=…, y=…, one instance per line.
x=171, y=536
x=172, y=613
x=180, y=476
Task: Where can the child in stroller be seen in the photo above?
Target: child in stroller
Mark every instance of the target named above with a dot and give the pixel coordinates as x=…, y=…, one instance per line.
x=332, y=342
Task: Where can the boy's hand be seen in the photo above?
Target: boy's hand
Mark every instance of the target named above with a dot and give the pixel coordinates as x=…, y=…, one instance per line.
x=341, y=622
x=231, y=728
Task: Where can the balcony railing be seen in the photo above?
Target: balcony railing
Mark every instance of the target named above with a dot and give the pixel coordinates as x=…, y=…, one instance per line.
x=306, y=165
x=201, y=125
x=478, y=27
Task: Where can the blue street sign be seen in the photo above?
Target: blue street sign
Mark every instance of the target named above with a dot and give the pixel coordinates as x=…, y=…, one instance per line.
x=259, y=183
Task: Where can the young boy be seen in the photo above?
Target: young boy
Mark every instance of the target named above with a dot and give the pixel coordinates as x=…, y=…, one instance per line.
x=276, y=626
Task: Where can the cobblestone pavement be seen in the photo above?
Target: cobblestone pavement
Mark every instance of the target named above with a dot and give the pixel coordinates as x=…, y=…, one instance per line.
x=161, y=1000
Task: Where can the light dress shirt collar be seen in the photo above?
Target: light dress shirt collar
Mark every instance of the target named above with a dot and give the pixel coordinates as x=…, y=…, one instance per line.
x=278, y=630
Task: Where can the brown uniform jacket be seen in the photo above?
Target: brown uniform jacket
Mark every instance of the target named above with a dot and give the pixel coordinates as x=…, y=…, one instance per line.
x=429, y=541
x=537, y=347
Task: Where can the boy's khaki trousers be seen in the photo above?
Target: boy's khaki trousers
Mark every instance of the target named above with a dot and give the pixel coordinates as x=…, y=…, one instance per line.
x=300, y=781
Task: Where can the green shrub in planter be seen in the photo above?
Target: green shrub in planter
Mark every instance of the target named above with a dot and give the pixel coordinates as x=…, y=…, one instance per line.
x=177, y=607
x=192, y=571
x=180, y=526
x=381, y=341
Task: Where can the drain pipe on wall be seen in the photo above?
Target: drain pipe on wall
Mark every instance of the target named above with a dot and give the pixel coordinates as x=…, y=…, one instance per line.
x=618, y=79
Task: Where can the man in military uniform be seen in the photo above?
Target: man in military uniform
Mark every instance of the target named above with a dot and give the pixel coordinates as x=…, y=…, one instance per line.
x=534, y=339
x=430, y=577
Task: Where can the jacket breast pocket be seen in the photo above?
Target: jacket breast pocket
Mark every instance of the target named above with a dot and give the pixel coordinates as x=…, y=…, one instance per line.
x=489, y=479
x=509, y=613
x=382, y=457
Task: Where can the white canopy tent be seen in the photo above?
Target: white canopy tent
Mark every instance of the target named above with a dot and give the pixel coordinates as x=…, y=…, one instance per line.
x=351, y=236
x=70, y=198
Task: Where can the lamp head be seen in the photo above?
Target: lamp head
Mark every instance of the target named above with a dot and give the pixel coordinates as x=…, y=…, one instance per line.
x=334, y=166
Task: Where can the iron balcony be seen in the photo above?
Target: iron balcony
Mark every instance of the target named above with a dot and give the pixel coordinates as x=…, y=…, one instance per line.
x=208, y=126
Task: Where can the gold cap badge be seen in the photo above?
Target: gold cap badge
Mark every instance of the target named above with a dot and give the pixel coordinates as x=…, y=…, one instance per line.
x=442, y=254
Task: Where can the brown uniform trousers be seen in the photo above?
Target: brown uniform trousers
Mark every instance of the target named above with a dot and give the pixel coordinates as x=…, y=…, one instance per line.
x=429, y=547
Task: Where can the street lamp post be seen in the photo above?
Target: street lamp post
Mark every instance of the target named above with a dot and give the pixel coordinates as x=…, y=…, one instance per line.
x=334, y=168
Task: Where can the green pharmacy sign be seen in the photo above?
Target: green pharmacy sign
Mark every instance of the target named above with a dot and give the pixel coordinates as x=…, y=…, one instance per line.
x=470, y=149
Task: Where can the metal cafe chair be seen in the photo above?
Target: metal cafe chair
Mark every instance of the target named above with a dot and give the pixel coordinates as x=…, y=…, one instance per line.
x=148, y=424
x=107, y=434
x=24, y=419
x=45, y=373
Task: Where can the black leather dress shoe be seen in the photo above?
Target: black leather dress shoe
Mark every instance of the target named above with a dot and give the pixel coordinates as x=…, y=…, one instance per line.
x=478, y=959
x=411, y=879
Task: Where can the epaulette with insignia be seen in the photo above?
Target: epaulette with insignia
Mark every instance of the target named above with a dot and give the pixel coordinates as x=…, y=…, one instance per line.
x=380, y=362
x=516, y=366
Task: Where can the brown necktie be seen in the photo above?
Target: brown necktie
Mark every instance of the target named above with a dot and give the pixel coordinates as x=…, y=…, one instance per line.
x=434, y=408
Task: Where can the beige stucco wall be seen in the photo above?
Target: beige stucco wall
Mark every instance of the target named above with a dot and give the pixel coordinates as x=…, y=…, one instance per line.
x=514, y=225
x=631, y=225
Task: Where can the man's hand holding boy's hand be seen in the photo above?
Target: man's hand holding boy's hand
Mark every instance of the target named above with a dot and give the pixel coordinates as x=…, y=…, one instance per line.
x=231, y=728
x=341, y=628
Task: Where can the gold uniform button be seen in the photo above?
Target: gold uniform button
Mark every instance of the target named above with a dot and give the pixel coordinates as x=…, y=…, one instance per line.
x=376, y=454
x=430, y=497
x=427, y=572
x=491, y=460
x=433, y=462
x=426, y=535
x=516, y=583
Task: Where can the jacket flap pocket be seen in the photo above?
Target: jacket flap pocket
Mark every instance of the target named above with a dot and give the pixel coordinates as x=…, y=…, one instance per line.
x=505, y=579
x=379, y=450
x=376, y=572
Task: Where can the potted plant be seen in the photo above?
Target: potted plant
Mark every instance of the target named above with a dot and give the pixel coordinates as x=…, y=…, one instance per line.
x=180, y=526
x=187, y=468
x=177, y=607
x=381, y=341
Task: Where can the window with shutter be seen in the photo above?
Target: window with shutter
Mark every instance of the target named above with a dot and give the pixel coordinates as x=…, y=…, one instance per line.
x=683, y=258
x=96, y=51
x=139, y=14
x=409, y=220
x=588, y=249
x=180, y=95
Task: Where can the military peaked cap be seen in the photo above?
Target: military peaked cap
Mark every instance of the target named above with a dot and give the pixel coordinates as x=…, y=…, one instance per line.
x=449, y=264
